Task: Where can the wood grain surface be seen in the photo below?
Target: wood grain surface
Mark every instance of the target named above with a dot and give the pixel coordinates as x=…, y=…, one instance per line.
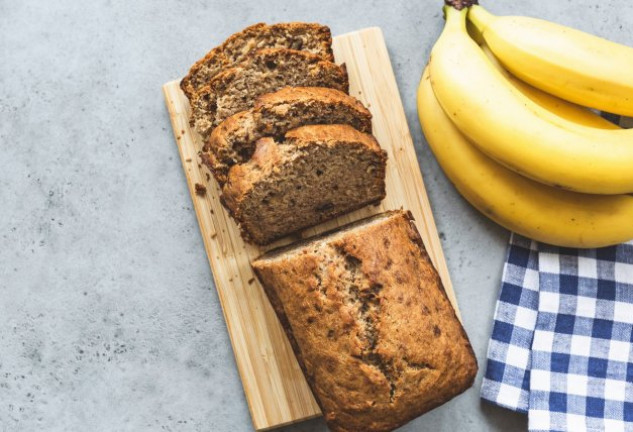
x=275, y=389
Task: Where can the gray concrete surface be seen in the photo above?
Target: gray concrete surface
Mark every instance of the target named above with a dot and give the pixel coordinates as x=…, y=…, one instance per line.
x=108, y=317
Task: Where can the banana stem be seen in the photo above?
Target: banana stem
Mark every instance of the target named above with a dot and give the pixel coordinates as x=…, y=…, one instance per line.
x=455, y=19
x=460, y=4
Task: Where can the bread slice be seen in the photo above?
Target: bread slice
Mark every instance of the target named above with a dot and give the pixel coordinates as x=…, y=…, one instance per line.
x=316, y=173
x=370, y=323
x=266, y=71
x=314, y=38
x=274, y=114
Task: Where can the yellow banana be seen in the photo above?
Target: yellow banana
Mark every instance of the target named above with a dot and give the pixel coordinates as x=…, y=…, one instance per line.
x=503, y=123
x=559, y=108
x=529, y=208
x=565, y=62
x=562, y=111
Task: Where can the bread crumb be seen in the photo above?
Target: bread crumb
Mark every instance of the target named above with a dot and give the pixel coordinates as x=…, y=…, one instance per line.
x=200, y=190
x=251, y=280
x=208, y=176
x=188, y=160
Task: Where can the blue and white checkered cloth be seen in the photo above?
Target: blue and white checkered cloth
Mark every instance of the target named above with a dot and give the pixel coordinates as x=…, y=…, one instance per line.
x=561, y=344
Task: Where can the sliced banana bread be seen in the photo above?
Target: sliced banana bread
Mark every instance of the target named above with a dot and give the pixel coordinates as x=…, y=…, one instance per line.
x=265, y=71
x=314, y=38
x=370, y=323
x=274, y=114
x=315, y=174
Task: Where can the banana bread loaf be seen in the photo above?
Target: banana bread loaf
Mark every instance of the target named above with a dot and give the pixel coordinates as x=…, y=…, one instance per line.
x=265, y=71
x=314, y=38
x=369, y=321
x=274, y=114
x=315, y=174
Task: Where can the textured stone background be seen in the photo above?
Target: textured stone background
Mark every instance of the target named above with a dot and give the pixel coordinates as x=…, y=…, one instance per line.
x=108, y=317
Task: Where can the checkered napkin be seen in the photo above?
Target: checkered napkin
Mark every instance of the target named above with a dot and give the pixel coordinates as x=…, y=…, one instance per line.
x=561, y=344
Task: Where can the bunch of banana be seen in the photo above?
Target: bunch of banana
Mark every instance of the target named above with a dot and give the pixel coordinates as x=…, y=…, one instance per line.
x=516, y=144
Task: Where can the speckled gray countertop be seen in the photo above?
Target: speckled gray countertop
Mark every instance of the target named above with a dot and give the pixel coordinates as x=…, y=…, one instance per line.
x=108, y=316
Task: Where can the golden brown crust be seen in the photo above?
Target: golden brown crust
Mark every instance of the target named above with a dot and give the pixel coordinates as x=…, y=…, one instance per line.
x=331, y=134
x=237, y=47
x=293, y=94
x=370, y=323
x=220, y=138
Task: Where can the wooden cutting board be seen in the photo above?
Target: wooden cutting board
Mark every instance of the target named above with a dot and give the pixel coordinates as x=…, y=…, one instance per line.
x=276, y=391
